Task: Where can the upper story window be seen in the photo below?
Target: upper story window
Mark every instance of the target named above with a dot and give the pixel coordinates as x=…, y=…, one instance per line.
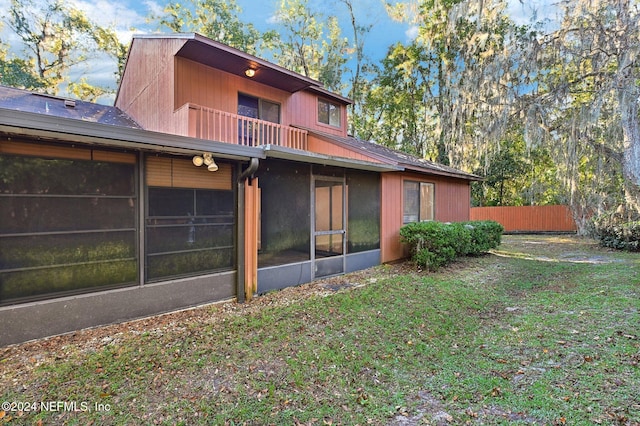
x=419, y=201
x=329, y=113
x=249, y=106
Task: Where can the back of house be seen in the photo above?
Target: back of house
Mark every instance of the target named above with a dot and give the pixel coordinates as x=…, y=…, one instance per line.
x=216, y=176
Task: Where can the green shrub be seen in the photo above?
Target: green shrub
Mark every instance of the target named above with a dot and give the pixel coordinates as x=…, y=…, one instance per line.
x=617, y=230
x=435, y=244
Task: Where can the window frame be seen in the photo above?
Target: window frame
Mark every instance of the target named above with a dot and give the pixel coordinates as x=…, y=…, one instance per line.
x=261, y=107
x=426, y=207
x=329, y=104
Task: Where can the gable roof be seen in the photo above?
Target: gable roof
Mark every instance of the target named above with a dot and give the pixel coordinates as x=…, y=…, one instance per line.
x=394, y=157
x=40, y=103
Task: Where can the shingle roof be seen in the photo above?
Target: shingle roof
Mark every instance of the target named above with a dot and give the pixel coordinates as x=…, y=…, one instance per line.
x=27, y=101
x=395, y=157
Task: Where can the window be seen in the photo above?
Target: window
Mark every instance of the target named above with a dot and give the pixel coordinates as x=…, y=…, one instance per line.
x=418, y=201
x=190, y=219
x=262, y=109
x=329, y=113
x=254, y=133
x=67, y=225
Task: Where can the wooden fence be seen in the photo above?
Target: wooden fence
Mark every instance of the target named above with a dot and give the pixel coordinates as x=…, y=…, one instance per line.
x=556, y=218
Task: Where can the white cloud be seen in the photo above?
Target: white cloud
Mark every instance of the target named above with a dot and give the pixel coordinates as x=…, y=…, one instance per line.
x=412, y=32
x=154, y=7
x=124, y=18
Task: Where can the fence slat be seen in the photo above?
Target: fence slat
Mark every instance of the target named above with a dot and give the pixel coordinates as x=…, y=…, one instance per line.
x=555, y=218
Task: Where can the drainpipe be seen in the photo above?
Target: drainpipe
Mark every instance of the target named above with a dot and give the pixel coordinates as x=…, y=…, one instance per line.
x=246, y=174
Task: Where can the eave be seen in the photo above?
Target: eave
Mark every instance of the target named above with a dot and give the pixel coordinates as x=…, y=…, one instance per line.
x=220, y=56
x=48, y=128
x=273, y=151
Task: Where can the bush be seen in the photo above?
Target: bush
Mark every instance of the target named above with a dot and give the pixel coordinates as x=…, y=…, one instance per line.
x=435, y=244
x=617, y=230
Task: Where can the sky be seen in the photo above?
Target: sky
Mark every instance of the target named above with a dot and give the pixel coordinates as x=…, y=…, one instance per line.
x=129, y=17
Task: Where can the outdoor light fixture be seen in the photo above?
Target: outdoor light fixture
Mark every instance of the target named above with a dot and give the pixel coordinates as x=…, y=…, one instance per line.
x=250, y=72
x=207, y=160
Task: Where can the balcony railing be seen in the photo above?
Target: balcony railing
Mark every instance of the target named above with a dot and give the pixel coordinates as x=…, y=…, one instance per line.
x=221, y=126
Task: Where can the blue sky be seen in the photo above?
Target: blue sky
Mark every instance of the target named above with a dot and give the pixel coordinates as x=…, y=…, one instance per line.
x=128, y=17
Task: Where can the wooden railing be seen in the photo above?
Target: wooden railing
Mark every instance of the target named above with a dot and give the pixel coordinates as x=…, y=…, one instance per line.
x=221, y=126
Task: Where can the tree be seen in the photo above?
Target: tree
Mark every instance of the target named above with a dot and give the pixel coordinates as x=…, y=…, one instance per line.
x=589, y=92
x=216, y=19
x=358, y=84
x=56, y=39
x=308, y=45
x=399, y=102
x=17, y=72
x=461, y=73
x=516, y=175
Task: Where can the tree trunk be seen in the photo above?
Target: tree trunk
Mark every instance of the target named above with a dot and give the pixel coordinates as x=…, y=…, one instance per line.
x=631, y=142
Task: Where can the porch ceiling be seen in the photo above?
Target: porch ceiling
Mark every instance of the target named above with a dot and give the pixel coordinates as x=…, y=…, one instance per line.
x=217, y=55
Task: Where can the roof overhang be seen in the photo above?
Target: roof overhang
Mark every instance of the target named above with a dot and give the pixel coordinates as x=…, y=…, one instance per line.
x=49, y=128
x=396, y=160
x=220, y=56
x=274, y=151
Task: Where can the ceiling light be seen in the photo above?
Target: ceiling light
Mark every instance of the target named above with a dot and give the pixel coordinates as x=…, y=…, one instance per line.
x=250, y=72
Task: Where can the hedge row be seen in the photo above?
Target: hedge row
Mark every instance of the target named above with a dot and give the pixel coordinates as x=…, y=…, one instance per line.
x=435, y=244
x=617, y=231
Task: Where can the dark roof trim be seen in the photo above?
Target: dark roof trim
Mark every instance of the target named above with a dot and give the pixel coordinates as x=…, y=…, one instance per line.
x=399, y=159
x=201, y=49
x=27, y=124
x=327, y=94
x=274, y=151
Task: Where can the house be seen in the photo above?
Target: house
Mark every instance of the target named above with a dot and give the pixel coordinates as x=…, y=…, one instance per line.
x=216, y=176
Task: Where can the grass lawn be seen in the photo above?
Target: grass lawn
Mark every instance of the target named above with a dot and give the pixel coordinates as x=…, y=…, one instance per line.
x=544, y=331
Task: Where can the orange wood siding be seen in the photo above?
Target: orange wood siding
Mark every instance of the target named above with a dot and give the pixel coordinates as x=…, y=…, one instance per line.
x=304, y=106
x=157, y=83
x=452, y=204
x=251, y=236
x=146, y=92
x=181, y=173
x=208, y=87
x=75, y=153
x=556, y=218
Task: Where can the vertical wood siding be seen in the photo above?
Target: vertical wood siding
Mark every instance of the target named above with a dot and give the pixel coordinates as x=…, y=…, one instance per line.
x=146, y=92
x=451, y=205
x=556, y=218
x=251, y=237
x=157, y=84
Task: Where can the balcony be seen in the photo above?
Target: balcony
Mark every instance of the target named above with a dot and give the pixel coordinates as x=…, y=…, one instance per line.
x=222, y=126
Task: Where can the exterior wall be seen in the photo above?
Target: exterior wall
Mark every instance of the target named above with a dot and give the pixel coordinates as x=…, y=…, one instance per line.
x=62, y=315
x=452, y=204
x=146, y=91
x=154, y=76
x=206, y=86
x=305, y=105
x=528, y=218
x=212, y=88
